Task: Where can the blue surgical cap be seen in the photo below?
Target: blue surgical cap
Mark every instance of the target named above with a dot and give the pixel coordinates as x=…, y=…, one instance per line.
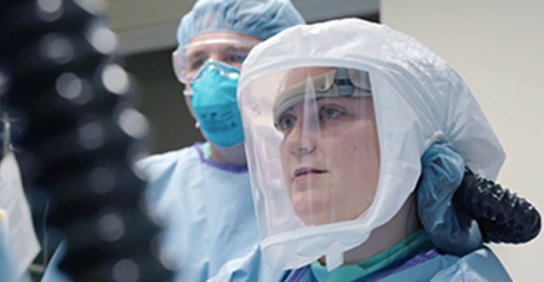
x=259, y=18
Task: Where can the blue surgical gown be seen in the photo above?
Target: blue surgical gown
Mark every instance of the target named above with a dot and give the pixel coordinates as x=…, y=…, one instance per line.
x=6, y=272
x=206, y=209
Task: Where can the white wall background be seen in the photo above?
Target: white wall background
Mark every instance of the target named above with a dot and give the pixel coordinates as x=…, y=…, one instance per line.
x=498, y=47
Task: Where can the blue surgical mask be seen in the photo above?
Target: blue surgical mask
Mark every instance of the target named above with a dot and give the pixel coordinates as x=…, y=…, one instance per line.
x=213, y=100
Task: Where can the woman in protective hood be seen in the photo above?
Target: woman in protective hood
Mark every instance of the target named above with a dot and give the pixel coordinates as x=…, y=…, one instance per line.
x=337, y=117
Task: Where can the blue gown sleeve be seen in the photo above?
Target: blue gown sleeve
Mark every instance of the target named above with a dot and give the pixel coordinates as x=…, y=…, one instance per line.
x=480, y=265
x=52, y=272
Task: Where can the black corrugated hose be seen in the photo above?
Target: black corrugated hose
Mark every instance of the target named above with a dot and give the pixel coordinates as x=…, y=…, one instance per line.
x=503, y=216
x=80, y=135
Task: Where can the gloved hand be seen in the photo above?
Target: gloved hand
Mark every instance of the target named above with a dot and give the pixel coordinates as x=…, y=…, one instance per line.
x=449, y=228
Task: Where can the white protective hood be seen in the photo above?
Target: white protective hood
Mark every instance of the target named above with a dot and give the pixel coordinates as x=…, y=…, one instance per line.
x=418, y=98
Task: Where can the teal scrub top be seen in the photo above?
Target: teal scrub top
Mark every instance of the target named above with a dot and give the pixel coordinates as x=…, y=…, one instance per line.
x=431, y=265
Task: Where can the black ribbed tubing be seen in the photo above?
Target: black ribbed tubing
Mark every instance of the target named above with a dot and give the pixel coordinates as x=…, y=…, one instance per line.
x=503, y=216
x=62, y=86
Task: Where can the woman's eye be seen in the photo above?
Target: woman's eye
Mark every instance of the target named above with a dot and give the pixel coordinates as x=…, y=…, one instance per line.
x=286, y=123
x=330, y=113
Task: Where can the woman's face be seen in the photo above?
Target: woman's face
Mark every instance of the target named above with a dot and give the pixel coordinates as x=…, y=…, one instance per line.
x=330, y=158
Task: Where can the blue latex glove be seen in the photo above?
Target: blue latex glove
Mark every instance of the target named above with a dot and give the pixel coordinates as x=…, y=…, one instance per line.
x=450, y=229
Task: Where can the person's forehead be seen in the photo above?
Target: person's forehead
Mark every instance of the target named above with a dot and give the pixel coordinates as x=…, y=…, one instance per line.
x=347, y=102
x=297, y=75
x=209, y=41
x=206, y=36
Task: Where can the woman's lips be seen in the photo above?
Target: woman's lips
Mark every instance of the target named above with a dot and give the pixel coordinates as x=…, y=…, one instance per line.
x=303, y=172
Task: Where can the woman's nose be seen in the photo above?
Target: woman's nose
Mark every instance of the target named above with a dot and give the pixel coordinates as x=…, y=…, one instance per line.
x=302, y=139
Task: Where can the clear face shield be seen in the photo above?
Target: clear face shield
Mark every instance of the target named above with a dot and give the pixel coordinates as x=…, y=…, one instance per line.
x=329, y=150
x=312, y=135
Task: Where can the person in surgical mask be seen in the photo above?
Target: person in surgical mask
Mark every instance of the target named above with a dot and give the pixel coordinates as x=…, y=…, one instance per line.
x=202, y=193
x=338, y=118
